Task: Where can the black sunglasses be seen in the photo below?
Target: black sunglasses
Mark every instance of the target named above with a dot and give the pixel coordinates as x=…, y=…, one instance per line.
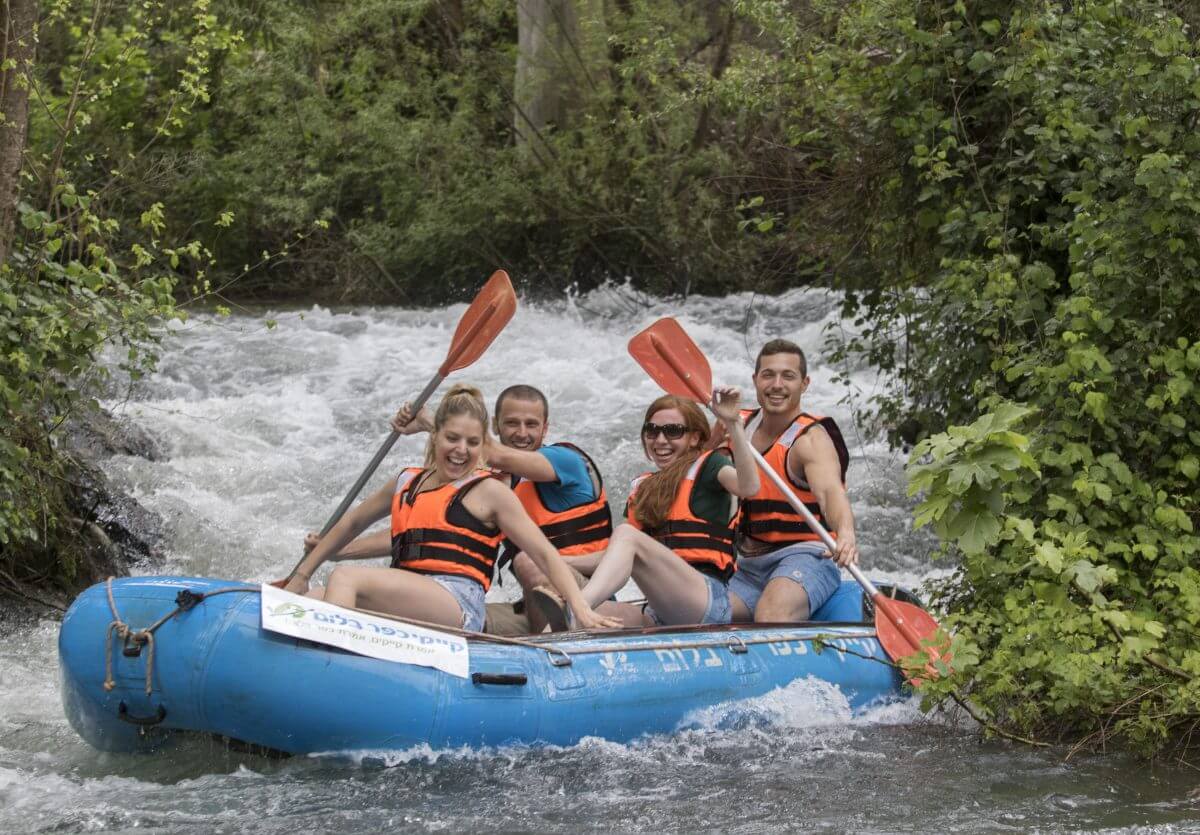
x=670, y=431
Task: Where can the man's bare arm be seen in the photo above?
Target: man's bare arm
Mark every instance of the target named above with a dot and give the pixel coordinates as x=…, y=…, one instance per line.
x=365, y=547
x=814, y=458
x=520, y=462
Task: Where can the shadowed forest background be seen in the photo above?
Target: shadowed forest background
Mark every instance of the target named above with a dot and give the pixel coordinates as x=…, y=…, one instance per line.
x=1006, y=194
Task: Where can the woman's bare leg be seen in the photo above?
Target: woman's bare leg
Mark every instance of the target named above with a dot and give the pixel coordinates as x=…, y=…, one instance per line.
x=394, y=592
x=630, y=614
x=585, y=564
x=678, y=593
x=615, y=567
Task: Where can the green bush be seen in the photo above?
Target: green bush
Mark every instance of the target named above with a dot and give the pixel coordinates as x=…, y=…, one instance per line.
x=1037, y=300
x=92, y=268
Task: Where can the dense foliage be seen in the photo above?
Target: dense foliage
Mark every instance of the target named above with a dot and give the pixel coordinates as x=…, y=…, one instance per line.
x=91, y=267
x=398, y=122
x=1034, y=237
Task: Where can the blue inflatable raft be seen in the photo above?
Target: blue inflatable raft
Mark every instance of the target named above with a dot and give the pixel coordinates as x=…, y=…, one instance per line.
x=211, y=668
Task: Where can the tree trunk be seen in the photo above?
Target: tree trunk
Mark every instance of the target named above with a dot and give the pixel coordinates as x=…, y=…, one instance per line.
x=18, y=19
x=553, y=56
x=724, y=38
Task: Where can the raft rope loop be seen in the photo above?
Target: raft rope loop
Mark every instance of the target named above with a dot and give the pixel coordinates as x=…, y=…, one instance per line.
x=185, y=600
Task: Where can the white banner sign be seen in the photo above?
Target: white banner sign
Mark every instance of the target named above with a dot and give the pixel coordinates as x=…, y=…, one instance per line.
x=316, y=620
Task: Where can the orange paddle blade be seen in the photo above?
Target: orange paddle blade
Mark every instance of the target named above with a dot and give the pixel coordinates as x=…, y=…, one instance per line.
x=672, y=360
x=492, y=309
x=903, y=630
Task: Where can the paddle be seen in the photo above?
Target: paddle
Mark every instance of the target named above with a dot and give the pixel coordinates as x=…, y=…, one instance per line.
x=674, y=361
x=491, y=310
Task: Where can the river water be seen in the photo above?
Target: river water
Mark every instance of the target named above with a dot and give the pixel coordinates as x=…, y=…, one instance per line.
x=265, y=428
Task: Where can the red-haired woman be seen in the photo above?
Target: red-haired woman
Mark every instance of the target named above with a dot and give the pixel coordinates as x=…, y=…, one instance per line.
x=448, y=519
x=677, y=541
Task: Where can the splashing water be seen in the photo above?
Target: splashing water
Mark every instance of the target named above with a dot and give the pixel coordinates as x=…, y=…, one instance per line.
x=263, y=432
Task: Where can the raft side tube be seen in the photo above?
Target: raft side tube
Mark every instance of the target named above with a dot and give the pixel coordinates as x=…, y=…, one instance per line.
x=217, y=671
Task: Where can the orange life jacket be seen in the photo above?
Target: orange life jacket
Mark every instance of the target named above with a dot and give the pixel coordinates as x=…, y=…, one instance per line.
x=577, y=530
x=767, y=515
x=705, y=545
x=432, y=533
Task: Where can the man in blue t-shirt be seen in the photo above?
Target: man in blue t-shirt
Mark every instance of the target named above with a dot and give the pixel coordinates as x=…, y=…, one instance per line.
x=558, y=485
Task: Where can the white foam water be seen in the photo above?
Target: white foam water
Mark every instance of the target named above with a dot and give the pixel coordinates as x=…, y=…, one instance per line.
x=263, y=430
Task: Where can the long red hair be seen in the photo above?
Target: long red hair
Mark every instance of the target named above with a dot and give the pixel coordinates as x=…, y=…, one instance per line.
x=656, y=494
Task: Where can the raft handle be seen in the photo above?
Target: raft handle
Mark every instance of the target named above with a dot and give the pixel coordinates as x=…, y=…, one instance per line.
x=559, y=657
x=499, y=678
x=132, y=647
x=737, y=646
x=144, y=721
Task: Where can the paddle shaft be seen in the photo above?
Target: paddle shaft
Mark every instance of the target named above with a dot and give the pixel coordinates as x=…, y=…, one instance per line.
x=380, y=454
x=881, y=602
x=456, y=352
x=803, y=510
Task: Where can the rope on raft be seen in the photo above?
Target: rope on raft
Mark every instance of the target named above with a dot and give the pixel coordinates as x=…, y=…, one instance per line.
x=187, y=599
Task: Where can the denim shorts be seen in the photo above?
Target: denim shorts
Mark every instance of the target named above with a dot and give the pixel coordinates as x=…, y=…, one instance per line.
x=469, y=596
x=800, y=562
x=718, y=609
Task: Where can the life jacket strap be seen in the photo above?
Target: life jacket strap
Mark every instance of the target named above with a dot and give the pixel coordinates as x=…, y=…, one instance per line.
x=754, y=527
x=599, y=534
x=421, y=536
x=707, y=543
x=708, y=529
x=414, y=553
x=600, y=515
x=761, y=507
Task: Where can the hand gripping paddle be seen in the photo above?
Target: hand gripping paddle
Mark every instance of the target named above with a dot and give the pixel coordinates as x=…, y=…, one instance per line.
x=674, y=361
x=491, y=310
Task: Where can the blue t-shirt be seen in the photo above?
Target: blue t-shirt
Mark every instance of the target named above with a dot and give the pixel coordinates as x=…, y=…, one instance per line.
x=574, y=483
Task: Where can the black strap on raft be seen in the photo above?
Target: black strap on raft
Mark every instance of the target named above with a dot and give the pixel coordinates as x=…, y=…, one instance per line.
x=143, y=721
x=187, y=600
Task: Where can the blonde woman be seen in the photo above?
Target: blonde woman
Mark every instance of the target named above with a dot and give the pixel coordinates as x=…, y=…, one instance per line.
x=448, y=519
